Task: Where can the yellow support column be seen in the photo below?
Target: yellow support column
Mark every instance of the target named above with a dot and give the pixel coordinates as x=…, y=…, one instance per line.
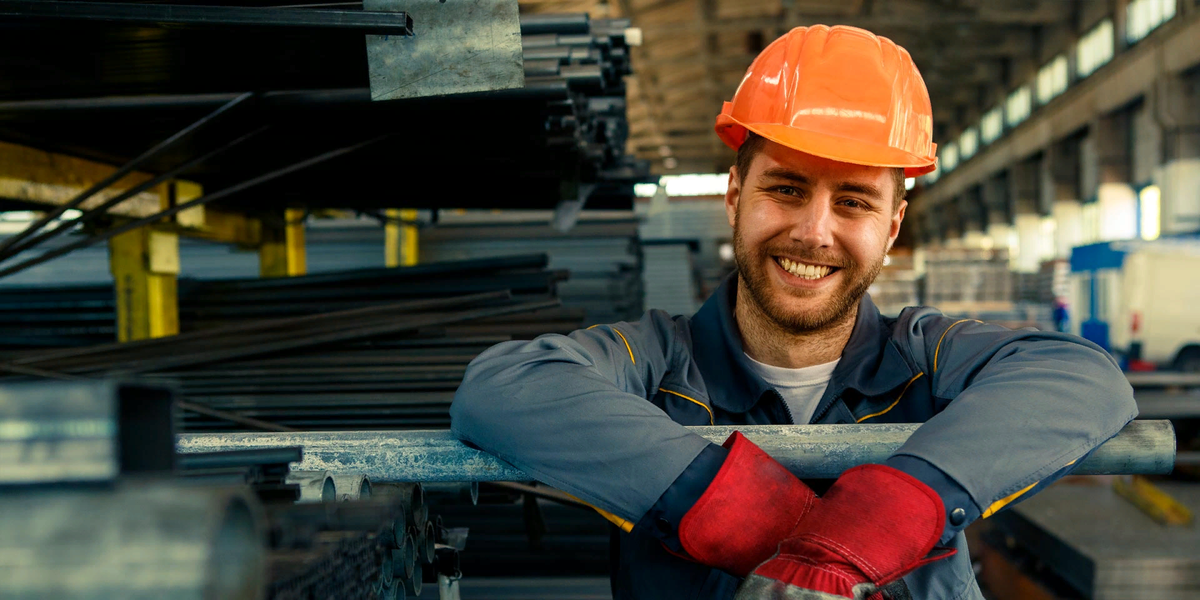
x=282, y=253
x=400, y=238
x=145, y=264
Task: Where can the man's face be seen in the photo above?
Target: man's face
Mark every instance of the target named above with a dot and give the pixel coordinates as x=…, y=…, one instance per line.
x=810, y=234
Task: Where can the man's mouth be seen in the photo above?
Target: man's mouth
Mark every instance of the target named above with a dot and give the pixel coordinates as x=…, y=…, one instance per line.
x=804, y=270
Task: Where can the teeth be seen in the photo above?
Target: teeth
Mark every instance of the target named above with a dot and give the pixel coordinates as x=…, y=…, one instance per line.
x=804, y=271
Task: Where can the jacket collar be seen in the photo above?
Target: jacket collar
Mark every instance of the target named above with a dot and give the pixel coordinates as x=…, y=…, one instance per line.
x=871, y=363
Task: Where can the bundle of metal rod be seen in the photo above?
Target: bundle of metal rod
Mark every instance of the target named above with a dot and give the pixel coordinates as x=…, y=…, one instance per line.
x=390, y=537
x=338, y=565
x=604, y=257
x=210, y=306
x=272, y=336
x=47, y=316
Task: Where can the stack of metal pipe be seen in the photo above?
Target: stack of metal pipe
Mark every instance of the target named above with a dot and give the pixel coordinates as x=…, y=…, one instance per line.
x=387, y=546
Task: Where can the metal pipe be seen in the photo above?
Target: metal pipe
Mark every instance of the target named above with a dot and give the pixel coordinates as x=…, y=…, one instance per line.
x=142, y=539
x=315, y=486
x=414, y=584
x=358, y=21
x=810, y=451
x=352, y=486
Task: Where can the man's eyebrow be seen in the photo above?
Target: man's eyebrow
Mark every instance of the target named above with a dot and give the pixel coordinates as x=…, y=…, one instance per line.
x=854, y=187
x=782, y=173
x=865, y=189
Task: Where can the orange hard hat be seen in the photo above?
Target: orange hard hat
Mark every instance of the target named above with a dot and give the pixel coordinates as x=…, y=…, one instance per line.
x=839, y=92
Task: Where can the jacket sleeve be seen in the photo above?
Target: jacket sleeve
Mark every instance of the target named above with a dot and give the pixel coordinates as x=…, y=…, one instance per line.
x=572, y=412
x=1015, y=411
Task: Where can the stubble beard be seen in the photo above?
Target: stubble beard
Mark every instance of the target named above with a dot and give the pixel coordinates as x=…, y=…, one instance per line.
x=752, y=264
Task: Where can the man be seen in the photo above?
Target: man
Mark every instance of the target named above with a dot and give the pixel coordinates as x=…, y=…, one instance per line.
x=827, y=123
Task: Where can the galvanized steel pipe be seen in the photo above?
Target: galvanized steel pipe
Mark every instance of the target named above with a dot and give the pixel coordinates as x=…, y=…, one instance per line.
x=811, y=451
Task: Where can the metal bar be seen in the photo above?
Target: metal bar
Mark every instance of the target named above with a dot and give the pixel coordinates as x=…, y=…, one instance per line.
x=231, y=417
x=7, y=246
x=369, y=22
x=100, y=209
x=810, y=451
x=327, y=337
x=241, y=329
x=174, y=210
x=240, y=458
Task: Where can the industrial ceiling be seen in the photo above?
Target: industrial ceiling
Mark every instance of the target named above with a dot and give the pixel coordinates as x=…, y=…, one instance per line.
x=695, y=52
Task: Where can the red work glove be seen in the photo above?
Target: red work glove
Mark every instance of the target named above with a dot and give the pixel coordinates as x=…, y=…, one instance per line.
x=875, y=525
x=751, y=505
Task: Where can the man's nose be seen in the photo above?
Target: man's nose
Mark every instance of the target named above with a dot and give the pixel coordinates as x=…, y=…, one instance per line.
x=813, y=224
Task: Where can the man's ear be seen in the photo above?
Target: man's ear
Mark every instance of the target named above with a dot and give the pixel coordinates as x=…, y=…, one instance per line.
x=897, y=219
x=732, y=193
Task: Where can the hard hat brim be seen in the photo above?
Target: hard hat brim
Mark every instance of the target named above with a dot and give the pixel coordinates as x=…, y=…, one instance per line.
x=824, y=145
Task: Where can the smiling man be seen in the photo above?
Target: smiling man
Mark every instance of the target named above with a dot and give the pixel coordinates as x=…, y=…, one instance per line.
x=826, y=124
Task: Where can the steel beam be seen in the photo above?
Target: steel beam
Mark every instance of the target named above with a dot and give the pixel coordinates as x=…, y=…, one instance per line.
x=810, y=451
x=379, y=23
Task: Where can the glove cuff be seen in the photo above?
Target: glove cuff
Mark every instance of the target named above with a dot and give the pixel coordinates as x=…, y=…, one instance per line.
x=751, y=505
x=880, y=520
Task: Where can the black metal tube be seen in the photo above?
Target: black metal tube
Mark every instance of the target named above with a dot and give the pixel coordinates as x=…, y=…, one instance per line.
x=369, y=22
x=239, y=458
x=7, y=245
x=555, y=23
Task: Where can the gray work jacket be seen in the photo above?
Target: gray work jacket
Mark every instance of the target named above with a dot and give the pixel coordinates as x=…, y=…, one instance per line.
x=600, y=413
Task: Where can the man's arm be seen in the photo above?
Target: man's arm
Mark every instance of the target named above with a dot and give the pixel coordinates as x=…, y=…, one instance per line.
x=572, y=411
x=1016, y=410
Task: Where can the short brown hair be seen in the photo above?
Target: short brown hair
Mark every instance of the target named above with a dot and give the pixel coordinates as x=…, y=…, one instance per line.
x=754, y=144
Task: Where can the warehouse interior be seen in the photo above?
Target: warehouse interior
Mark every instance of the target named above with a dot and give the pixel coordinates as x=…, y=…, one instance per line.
x=248, y=250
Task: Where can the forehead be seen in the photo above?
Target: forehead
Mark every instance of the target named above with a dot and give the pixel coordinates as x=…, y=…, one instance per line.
x=816, y=168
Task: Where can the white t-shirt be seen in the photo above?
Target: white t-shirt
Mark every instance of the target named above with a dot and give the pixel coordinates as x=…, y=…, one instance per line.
x=801, y=388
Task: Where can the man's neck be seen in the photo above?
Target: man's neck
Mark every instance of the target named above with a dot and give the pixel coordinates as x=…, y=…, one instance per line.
x=767, y=343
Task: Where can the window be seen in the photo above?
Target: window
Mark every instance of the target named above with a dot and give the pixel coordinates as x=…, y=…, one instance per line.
x=1018, y=105
x=992, y=125
x=1095, y=49
x=1149, y=212
x=950, y=157
x=1052, y=79
x=1144, y=16
x=968, y=143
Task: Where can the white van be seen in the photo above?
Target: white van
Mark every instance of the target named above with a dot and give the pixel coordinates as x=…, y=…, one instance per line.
x=1140, y=300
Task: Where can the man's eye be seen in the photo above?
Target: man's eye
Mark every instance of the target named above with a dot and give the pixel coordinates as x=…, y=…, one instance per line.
x=852, y=203
x=787, y=190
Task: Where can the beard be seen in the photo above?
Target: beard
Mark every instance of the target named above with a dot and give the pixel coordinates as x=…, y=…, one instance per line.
x=772, y=303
